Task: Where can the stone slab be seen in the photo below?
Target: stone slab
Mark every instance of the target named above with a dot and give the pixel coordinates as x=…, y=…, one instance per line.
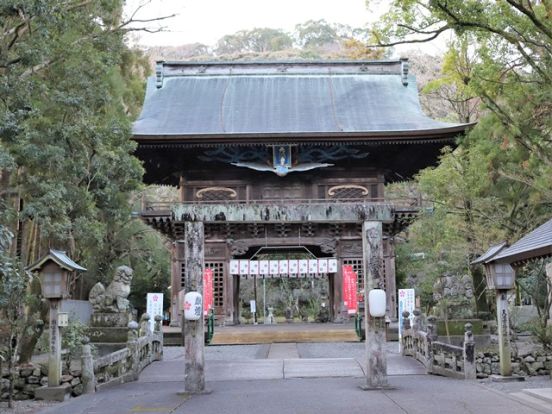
x=544, y=394
x=61, y=393
x=322, y=367
x=244, y=370
x=509, y=378
x=283, y=351
x=108, y=320
x=415, y=394
x=108, y=335
x=533, y=402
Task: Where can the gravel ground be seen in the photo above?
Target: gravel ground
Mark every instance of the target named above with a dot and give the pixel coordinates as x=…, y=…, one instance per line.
x=25, y=407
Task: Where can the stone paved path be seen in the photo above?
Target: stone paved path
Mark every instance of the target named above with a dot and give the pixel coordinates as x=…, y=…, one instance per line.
x=325, y=379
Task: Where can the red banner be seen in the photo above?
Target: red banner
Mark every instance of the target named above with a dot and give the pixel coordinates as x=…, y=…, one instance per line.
x=208, y=299
x=349, y=289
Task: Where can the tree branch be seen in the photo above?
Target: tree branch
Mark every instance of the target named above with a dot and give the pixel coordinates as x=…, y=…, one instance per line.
x=435, y=34
x=533, y=17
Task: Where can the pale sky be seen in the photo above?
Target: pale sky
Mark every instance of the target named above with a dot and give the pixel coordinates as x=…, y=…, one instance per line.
x=206, y=21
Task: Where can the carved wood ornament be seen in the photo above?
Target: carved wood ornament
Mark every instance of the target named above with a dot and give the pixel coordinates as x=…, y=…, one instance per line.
x=216, y=193
x=348, y=191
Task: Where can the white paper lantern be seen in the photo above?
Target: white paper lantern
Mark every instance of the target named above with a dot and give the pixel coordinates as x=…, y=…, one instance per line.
x=377, y=303
x=193, y=306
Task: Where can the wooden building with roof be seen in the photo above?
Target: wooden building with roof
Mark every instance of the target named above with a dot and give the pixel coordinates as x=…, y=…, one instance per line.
x=286, y=156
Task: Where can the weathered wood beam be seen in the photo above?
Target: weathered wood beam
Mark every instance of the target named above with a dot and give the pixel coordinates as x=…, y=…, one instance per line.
x=372, y=246
x=194, y=361
x=284, y=213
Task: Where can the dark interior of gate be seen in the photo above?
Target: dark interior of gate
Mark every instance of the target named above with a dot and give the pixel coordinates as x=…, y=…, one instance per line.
x=285, y=162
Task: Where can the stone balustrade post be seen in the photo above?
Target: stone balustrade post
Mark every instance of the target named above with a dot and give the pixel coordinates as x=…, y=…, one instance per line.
x=417, y=322
x=405, y=320
x=404, y=328
x=87, y=367
x=144, y=325
x=158, y=332
x=157, y=325
x=470, y=371
x=132, y=345
x=431, y=337
x=432, y=328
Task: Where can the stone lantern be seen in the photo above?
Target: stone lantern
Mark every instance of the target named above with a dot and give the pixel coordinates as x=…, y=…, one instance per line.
x=54, y=270
x=500, y=277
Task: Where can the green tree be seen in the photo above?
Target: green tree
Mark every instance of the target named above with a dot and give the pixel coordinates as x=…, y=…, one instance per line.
x=495, y=185
x=259, y=40
x=69, y=89
x=315, y=33
x=511, y=72
x=13, y=296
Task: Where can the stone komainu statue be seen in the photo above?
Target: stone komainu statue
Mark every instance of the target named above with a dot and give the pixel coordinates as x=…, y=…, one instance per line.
x=114, y=298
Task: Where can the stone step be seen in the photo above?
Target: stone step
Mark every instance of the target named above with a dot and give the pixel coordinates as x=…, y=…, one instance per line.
x=269, y=337
x=532, y=402
x=283, y=350
x=172, y=339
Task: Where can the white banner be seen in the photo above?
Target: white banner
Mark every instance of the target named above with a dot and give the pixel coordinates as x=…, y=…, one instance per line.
x=286, y=268
x=407, y=302
x=154, y=307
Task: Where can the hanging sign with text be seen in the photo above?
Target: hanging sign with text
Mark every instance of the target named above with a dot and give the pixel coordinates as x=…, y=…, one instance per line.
x=208, y=299
x=407, y=302
x=154, y=307
x=350, y=289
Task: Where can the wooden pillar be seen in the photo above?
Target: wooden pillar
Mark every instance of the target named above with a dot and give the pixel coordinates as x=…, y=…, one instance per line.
x=176, y=277
x=182, y=189
x=338, y=293
x=54, y=357
x=548, y=270
x=236, y=300
x=331, y=297
x=503, y=333
x=194, y=363
x=372, y=252
x=390, y=279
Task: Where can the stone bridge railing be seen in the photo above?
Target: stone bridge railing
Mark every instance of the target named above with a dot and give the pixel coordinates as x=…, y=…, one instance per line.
x=142, y=348
x=438, y=357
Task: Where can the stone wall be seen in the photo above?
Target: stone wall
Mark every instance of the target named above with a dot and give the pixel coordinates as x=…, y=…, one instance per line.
x=142, y=348
x=529, y=364
x=29, y=377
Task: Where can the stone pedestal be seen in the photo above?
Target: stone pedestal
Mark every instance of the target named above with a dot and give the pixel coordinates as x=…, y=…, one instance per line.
x=59, y=393
x=109, y=327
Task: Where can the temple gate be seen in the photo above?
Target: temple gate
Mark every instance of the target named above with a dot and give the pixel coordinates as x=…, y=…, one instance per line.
x=284, y=154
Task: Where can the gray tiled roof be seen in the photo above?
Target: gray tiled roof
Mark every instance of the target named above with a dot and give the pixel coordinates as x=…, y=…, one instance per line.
x=490, y=253
x=538, y=243
x=60, y=257
x=321, y=99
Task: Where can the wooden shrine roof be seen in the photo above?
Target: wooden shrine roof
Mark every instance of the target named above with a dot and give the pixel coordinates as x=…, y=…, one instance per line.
x=260, y=102
x=534, y=245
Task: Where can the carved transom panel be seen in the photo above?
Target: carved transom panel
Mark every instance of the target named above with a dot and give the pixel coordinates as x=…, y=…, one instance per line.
x=348, y=191
x=216, y=194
